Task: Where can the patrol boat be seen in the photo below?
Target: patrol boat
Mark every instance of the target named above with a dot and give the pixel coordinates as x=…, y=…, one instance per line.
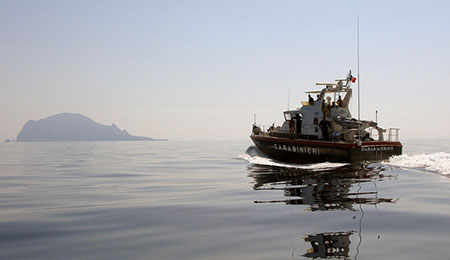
x=323, y=130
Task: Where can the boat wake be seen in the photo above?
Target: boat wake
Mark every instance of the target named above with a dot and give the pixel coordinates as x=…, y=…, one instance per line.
x=254, y=156
x=435, y=162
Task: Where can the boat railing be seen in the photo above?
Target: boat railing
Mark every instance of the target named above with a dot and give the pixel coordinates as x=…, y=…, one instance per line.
x=263, y=129
x=393, y=134
x=272, y=131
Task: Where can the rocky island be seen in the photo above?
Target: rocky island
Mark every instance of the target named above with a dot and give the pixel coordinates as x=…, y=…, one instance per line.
x=73, y=127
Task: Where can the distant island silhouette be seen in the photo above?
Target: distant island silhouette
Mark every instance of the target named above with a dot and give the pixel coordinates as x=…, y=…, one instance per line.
x=73, y=127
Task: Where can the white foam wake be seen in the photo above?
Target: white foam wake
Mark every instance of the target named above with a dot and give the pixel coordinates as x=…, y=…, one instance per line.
x=269, y=162
x=437, y=162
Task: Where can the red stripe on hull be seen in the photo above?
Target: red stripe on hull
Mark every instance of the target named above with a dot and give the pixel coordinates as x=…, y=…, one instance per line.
x=325, y=143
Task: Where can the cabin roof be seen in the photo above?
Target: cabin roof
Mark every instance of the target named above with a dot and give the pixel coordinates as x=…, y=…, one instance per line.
x=297, y=111
x=329, y=90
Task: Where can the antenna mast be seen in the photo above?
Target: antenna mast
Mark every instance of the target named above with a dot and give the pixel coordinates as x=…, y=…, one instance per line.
x=289, y=97
x=359, y=79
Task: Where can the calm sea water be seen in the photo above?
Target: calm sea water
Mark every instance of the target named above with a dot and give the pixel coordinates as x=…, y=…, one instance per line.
x=212, y=200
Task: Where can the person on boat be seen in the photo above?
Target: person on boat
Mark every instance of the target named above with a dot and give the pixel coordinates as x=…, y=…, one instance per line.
x=328, y=102
x=330, y=106
x=298, y=124
x=291, y=128
x=320, y=100
x=310, y=100
x=326, y=111
x=340, y=85
x=339, y=102
x=324, y=124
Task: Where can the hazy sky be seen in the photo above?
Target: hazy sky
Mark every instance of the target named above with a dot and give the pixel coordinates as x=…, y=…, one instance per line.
x=201, y=69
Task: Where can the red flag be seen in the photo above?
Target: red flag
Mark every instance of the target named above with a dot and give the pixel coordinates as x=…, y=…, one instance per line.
x=353, y=80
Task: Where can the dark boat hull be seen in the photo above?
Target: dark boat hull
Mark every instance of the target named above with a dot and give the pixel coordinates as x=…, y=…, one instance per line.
x=309, y=151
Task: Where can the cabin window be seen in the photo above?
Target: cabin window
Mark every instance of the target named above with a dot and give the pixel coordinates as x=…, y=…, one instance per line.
x=287, y=117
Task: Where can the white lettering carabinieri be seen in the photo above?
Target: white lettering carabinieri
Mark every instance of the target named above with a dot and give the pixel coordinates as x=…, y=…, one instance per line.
x=297, y=149
x=377, y=148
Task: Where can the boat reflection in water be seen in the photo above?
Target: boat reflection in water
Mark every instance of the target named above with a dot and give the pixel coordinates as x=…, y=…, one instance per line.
x=323, y=190
x=330, y=244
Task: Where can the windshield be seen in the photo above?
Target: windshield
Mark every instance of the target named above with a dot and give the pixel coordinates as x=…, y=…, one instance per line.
x=288, y=116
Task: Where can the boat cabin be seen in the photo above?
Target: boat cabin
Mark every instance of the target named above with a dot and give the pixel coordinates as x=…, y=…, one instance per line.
x=307, y=119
